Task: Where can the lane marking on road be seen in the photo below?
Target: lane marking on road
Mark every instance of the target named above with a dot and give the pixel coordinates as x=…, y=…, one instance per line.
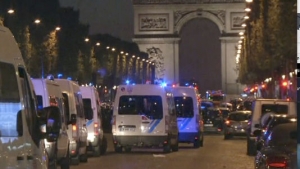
x=159, y=155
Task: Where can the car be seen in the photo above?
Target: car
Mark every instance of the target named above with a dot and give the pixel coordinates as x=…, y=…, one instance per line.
x=189, y=118
x=23, y=127
x=236, y=124
x=280, y=148
x=48, y=93
x=272, y=121
x=213, y=120
x=144, y=116
x=260, y=107
x=225, y=111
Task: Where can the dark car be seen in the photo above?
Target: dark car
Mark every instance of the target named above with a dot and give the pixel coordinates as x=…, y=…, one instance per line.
x=272, y=122
x=213, y=120
x=236, y=124
x=279, y=150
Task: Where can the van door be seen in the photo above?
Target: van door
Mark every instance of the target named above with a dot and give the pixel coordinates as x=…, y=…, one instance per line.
x=185, y=114
x=140, y=115
x=35, y=154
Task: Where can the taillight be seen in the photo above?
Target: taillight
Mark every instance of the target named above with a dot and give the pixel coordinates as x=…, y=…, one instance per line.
x=277, y=162
x=96, y=131
x=227, y=122
x=74, y=131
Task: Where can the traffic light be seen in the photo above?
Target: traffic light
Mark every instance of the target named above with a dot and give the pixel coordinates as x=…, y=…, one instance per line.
x=284, y=83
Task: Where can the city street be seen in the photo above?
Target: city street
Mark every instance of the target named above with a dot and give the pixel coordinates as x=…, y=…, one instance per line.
x=216, y=154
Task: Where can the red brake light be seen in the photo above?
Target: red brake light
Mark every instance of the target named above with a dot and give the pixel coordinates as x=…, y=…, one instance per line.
x=74, y=127
x=144, y=118
x=227, y=122
x=277, y=162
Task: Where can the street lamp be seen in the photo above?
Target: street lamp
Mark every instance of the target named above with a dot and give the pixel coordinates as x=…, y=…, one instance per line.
x=97, y=44
x=10, y=11
x=37, y=21
x=246, y=17
x=57, y=28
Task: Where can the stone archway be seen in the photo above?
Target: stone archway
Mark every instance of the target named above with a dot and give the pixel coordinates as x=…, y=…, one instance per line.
x=157, y=25
x=200, y=54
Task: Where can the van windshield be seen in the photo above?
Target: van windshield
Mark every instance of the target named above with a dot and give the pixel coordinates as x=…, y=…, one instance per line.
x=150, y=106
x=9, y=100
x=184, y=106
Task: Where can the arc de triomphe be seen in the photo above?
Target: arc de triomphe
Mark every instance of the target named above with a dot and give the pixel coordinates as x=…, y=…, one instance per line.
x=157, y=27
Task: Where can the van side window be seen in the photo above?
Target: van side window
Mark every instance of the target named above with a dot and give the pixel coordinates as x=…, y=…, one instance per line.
x=9, y=91
x=184, y=106
x=274, y=108
x=53, y=101
x=9, y=102
x=30, y=108
x=67, y=106
x=79, y=105
x=39, y=99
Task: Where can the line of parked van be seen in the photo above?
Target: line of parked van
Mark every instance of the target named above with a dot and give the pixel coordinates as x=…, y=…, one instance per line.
x=44, y=122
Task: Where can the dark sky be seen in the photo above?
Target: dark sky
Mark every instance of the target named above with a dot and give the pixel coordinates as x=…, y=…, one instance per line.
x=114, y=17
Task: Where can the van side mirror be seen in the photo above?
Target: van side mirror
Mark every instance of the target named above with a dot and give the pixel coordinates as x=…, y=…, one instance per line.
x=73, y=119
x=257, y=133
x=52, y=122
x=88, y=112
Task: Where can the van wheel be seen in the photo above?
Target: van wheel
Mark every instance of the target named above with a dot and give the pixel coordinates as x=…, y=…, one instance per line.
x=83, y=157
x=65, y=162
x=251, y=149
x=202, y=140
x=167, y=147
x=118, y=149
x=75, y=160
x=127, y=149
x=175, y=146
x=103, y=146
x=197, y=143
x=226, y=136
x=96, y=151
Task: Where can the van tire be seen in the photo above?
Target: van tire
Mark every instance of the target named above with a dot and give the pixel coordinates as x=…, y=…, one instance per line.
x=53, y=161
x=127, y=149
x=202, y=140
x=197, y=143
x=226, y=136
x=83, y=157
x=175, y=146
x=167, y=148
x=65, y=162
x=75, y=160
x=251, y=149
x=118, y=149
x=96, y=151
x=103, y=146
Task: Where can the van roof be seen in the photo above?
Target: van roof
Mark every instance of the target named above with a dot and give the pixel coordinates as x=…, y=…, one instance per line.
x=140, y=89
x=183, y=91
x=9, y=50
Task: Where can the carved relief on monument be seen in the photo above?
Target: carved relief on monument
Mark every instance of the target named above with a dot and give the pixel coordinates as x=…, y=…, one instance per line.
x=155, y=56
x=154, y=22
x=236, y=20
x=136, y=2
x=180, y=14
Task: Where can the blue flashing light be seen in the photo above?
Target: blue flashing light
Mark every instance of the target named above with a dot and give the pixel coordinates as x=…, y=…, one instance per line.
x=127, y=81
x=133, y=83
x=59, y=75
x=91, y=84
x=187, y=84
x=163, y=84
x=69, y=78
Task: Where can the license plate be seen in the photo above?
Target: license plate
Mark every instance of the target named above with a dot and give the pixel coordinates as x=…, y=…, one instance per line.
x=126, y=129
x=208, y=125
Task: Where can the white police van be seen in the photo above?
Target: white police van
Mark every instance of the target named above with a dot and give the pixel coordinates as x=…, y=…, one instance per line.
x=91, y=102
x=144, y=116
x=261, y=107
x=23, y=128
x=188, y=111
x=77, y=130
x=48, y=93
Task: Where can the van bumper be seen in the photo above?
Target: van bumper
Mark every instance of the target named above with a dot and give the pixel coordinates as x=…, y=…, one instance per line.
x=50, y=148
x=188, y=137
x=92, y=141
x=140, y=141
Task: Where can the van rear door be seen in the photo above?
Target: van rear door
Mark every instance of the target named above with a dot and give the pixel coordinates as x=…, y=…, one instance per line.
x=140, y=115
x=185, y=114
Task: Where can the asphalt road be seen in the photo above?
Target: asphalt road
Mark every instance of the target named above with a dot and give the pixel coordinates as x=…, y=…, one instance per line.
x=216, y=154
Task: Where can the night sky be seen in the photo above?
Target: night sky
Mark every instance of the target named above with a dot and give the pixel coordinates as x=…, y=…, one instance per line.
x=114, y=17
